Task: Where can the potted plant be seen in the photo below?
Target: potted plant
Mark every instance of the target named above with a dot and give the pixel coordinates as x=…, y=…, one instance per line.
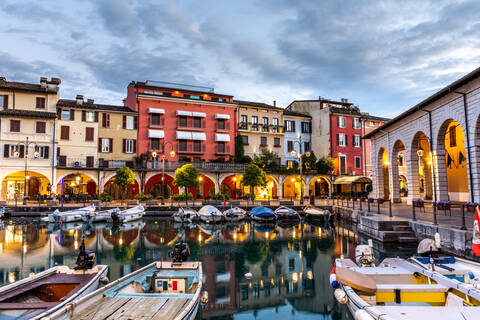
x=418, y=203
x=105, y=197
x=371, y=200
x=443, y=205
x=380, y=200
x=471, y=206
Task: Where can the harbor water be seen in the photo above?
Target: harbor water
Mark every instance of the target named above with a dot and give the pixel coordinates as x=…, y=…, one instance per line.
x=289, y=264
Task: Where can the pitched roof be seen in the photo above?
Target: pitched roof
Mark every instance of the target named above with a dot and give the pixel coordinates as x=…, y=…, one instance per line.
x=176, y=86
x=93, y=106
x=12, y=85
x=256, y=104
x=28, y=113
x=345, y=111
x=375, y=118
x=295, y=114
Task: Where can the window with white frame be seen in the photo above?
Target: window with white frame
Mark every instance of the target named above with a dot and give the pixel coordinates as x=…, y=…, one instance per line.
x=343, y=164
x=15, y=151
x=341, y=122
x=371, y=124
x=129, y=146
x=42, y=152
x=342, y=140
x=358, y=163
x=105, y=145
x=356, y=123
x=357, y=141
x=90, y=116
x=130, y=120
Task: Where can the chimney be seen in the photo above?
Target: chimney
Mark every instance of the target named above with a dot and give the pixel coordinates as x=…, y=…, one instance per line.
x=274, y=103
x=3, y=79
x=90, y=101
x=79, y=99
x=43, y=82
x=56, y=81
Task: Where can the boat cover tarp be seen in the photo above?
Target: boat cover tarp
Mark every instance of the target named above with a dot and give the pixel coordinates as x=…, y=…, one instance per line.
x=262, y=212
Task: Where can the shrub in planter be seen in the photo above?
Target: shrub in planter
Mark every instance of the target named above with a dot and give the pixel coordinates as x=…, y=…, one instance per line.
x=105, y=197
x=183, y=196
x=220, y=196
x=143, y=197
x=443, y=205
x=418, y=203
x=380, y=200
x=471, y=206
x=371, y=200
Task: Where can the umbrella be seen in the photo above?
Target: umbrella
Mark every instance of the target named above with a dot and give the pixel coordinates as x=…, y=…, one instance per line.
x=476, y=233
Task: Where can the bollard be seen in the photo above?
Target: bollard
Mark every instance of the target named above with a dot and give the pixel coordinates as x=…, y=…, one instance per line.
x=353, y=204
x=360, y=204
x=368, y=205
x=390, y=208
x=434, y=213
x=413, y=211
x=378, y=207
x=464, y=227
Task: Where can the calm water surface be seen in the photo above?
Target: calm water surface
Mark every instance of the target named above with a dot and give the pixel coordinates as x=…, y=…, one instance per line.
x=290, y=264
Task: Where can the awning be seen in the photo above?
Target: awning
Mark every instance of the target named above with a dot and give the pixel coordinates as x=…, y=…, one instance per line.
x=156, y=110
x=199, y=114
x=184, y=113
x=199, y=136
x=222, y=116
x=185, y=135
x=222, y=137
x=352, y=179
x=156, y=134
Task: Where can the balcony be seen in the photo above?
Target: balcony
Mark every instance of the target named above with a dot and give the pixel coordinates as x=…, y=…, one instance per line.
x=86, y=162
x=190, y=124
x=259, y=127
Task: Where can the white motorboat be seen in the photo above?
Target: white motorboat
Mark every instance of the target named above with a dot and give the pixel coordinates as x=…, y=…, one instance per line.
x=286, y=213
x=234, y=214
x=71, y=215
x=100, y=216
x=210, y=214
x=127, y=215
x=315, y=213
x=185, y=215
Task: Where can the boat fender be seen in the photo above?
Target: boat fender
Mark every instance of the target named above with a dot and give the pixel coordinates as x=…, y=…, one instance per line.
x=333, y=281
x=363, y=315
x=341, y=296
x=204, y=298
x=471, y=275
x=248, y=275
x=104, y=280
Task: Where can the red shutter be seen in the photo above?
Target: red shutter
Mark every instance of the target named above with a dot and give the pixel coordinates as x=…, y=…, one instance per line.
x=135, y=124
x=6, y=151
x=46, y=153
x=65, y=132
x=111, y=145
x=59, y=113
x=124, y=124
x=99, y=145
x=96, y=116
x=22, y=151
x=5, y=101
x=89, y=134
x=72, y=114
x=84, y=115
x=346, y=140
x=134, y=146
x=124, y=143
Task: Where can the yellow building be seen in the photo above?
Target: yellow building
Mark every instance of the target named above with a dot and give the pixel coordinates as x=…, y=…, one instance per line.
x=261, y=126
x=27, y=136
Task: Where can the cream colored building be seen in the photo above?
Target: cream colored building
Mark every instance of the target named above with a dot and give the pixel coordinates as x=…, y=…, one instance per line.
x=27, y=111
x=261, y=126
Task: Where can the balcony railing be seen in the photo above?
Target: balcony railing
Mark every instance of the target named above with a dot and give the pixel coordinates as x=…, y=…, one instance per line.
x=260, y=127
x=86, y=162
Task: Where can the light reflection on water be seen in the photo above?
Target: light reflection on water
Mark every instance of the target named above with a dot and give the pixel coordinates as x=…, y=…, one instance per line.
x=290, y=264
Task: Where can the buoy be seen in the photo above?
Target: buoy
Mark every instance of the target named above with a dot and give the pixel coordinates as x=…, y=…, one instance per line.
x=248, y=275
x=333, y=281
x=341, y=296
x=363, y=315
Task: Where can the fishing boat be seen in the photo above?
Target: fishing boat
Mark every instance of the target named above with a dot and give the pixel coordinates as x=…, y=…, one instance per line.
x=127, y=215
x=40, y=295
x=100, y=216
x=398, y=289
x=286, y=213
x=185, y=215
x=210, y=214
x=315, y=213
x=263, y=214
x=234, y=214
x=160, y=290
x=71, y=215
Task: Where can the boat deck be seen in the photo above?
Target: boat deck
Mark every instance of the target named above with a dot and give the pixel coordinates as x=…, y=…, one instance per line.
x=445, y=313
x=134, y=308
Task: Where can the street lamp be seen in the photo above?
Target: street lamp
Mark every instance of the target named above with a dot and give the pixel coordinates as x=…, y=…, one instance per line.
x=172, y=154
x=36, y=154
x=294, y=152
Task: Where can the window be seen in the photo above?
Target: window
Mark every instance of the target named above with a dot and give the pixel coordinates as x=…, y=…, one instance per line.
x=254, y=123
x=65, y=115
x=290, y=164
x=129, y=145
x=306, y=146
x=245, y=140
x=105, y=120
x=306, y=127
x=358, y=164
x=130, y=123
x=40, y=104
x=371, y=124
x=14, y=125
x=105, y=145
x=290, y=146
x=65, y=132
x=357, y=141
x=341, y=122
x=243, y=121
x=182, y=145
x=90, y=116
x=289, y=126
x=221, y=124
x=343, y=164
x=155, y=119
x=182, y=121
x=341, y=140
x=197, y=146
x=276, y=142
x=4, y=101
x=356, y=123
x=13, y=151
x=263, y=141
x=155, y=144
x=89, y=133
x=275, y=124
x=221, y=147
x=197, y=122
x=453, y=136
x=291, y=265
x=265, y=124
x=43, y=152
x=40, y=127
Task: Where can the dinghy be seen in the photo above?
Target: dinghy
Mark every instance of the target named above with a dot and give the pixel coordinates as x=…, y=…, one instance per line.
x=100, y=216
x=234, y=214
x=185, y=215
x=210, y=214
x=263, y=214
x=161, y=290
x=286, y=213
x=314, y=213
x=70, y=216
x=398, y=289
x=127, y=215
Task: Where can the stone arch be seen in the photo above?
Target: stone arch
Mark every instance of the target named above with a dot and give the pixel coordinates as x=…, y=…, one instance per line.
x=420, y=168
x=77, y=183
x=77, y=172
x=318, y=186
x=383, y=184
x=13, y=185
x=292, y=188
x=395, y=166
x=134, y=189
x=154, y=185
x=232, y=185
x=204, y=190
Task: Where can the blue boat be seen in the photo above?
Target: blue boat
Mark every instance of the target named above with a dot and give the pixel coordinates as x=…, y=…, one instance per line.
x=263, y=214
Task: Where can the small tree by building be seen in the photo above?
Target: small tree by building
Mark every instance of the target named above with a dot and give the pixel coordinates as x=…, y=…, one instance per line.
x=124, y=179
x=325, y=165
x=186, y=177
x=240, y=156
x=254, y=176
x=309, y=162
x=267, y=159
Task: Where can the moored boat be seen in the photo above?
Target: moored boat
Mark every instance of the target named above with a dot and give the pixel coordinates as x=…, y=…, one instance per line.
x=263, y=214
x=100, y=216
x=127, y=215
x=210, y=214
x=185, y=215
x=286, y=213
x=71, y=215
x=315, y=213
x=234, y=214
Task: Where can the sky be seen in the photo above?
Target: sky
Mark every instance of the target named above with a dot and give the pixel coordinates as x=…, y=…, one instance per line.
x=384, y=56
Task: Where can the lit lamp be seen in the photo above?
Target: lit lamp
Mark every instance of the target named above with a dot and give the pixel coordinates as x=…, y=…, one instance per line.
x=385, y=163
x=420, y=152
x=172, y=154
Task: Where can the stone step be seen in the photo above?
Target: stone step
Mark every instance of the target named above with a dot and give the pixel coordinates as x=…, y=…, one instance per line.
x=407, y=239
x=402, y=228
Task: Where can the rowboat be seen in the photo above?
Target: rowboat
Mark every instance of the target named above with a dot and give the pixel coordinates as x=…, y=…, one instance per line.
x=210, y=214
x=160, y=290
x=452, y=267
x=127, y=215
x=100, y=216
x=314, y=213
x=40, y=295
x=185, y=215
x=263, y=214
x=234, y=214
x=398, y=289
x=70, y=216
x=286, y=213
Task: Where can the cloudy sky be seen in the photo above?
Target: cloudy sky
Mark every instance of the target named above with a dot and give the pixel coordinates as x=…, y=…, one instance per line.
x=384, y=56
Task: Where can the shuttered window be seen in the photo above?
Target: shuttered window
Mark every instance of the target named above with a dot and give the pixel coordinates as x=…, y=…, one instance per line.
x=4, y=101
x=65, y=132
x=14, y=125
x=105, y=120
x=89, y=133
x=40, y=104
x=40, y=127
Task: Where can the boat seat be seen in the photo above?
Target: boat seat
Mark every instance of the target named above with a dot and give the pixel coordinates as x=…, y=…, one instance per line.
x=411, y=288
x=22, y=305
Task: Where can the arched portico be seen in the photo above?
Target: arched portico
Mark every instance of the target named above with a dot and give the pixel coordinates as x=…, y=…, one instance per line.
x=382, y=165
x=319, y=186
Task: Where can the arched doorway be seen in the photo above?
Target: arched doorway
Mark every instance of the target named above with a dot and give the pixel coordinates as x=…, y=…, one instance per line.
x=232, y=186
x=206, y=187
x=154, y=186
x=421, y=167
x=13, y=185
x=292, y=187
x=382, y=174
x=397, y=164
x=319, y=187
x=452, y=157
x=77, y=184
x=119, y=193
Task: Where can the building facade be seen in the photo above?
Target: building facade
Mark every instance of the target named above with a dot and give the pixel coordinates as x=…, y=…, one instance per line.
x=370, y=123
x=261, y=127
x=297, y=128
x=28, y=137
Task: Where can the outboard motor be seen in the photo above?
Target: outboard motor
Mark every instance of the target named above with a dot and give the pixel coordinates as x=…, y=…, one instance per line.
x=86, y=258
x=115, y=217
x=180, y=252
x=55, y=215
x=364, y=255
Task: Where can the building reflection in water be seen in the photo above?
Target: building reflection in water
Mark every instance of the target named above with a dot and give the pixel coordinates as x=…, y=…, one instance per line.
x=290, y=264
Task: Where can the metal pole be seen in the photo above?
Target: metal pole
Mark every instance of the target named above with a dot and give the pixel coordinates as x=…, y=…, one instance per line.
x=368, y=205
x=435, y=213
x=301, y=175
x=353, y=203
x=25, y=177
x=390, y=208
x=360, y=204
x=464, y=227
x=163, y=177
x=378, y=207
x=413, y=211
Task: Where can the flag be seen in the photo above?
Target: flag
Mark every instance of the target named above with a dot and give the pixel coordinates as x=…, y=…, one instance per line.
x=476, y=233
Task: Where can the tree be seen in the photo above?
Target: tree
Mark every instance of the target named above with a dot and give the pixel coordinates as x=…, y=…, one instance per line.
x=325, y=165
x=124, y=178
x=240, y=156
x=186, y=177
x=266, y=159
x=310, y=162
x=254, y=176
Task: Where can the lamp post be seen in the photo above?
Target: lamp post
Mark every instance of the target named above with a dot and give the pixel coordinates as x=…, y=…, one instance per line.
x=294, y=152
x=25, y=156
x=172, y=154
